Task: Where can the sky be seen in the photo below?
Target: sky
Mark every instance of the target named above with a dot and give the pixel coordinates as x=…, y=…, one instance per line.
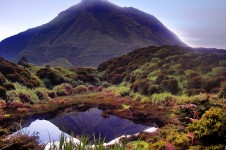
x=198, y=23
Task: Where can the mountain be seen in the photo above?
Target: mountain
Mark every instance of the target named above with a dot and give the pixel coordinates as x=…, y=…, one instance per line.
x=87, y=34
x=173, y=69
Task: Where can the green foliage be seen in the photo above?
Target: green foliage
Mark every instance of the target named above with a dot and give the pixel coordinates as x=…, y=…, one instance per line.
x=83, y=144
x=16, y=73
x=170, y=69
x=126, y=107
x=223, y=93
x=170, y=85
x=145, y=87
x=141, y=145
x=179, y=140
x=159, y=145
x=213, y=147
x=162, y=98
x=63, y=89
x=153, y=75
x=50, y=77
x=22, y=94
x=43, y=94
x=169, y=138
x=210, y=129
x=123, y=90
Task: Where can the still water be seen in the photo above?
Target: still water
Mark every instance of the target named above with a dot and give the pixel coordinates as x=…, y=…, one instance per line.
x=89, y=123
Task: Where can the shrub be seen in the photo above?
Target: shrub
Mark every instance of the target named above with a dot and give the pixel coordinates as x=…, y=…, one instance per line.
x=99, y=89
x=42, y=93
x=162, y=99
x=191, y=92
x=2, y=79
x=123, y=90
x=214, y=83
x=170, y=85
x=28, y=82
x=91, y=88
x=21, y=142
x=117, y=78
x=223, y=93
x=63, y=89
x=210, y=129
x=9, y=86
x=50, y=77
x=24, y=98
x=52, y=94
x=80, y=89
x=22, y=93
x=161, y=77
x=2, y=92
x=159, y=145
x=144, y=86
x=196, y=83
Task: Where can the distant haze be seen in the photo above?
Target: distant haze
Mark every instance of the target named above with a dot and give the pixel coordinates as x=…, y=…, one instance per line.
x=199, y=23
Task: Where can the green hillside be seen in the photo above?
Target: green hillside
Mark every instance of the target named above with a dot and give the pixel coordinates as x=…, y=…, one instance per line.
x=188, y=85
x=175, y=70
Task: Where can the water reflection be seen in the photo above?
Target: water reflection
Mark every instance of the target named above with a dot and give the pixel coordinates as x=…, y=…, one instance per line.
x=89, y=122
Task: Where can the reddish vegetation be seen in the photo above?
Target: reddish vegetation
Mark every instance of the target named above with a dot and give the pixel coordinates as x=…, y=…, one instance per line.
x=107, y=101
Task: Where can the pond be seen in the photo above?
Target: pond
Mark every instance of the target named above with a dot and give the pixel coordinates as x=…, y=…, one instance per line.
x=90, y=122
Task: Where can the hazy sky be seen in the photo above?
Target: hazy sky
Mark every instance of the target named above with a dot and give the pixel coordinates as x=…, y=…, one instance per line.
x=199, y=23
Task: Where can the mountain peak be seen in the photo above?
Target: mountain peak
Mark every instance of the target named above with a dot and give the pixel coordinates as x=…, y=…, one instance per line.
x=87, y=34
x=93, y=1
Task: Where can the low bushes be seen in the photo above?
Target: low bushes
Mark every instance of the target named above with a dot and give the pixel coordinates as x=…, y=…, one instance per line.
x=80, y=89
x=170, y=85
x=2, y=92
x=63, y=89
x=123, y=91
x=46, y=74
x=2, y=79
x=16, y=73
x=21, y=142
x=44, y=94
x=9, y=86
x=169, y=139
x=210, y=129
x=145, y=87
x=22, y=94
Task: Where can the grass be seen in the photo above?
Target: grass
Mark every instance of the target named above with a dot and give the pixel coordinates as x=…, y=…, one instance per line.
x=13, y=95
x=83, y=144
